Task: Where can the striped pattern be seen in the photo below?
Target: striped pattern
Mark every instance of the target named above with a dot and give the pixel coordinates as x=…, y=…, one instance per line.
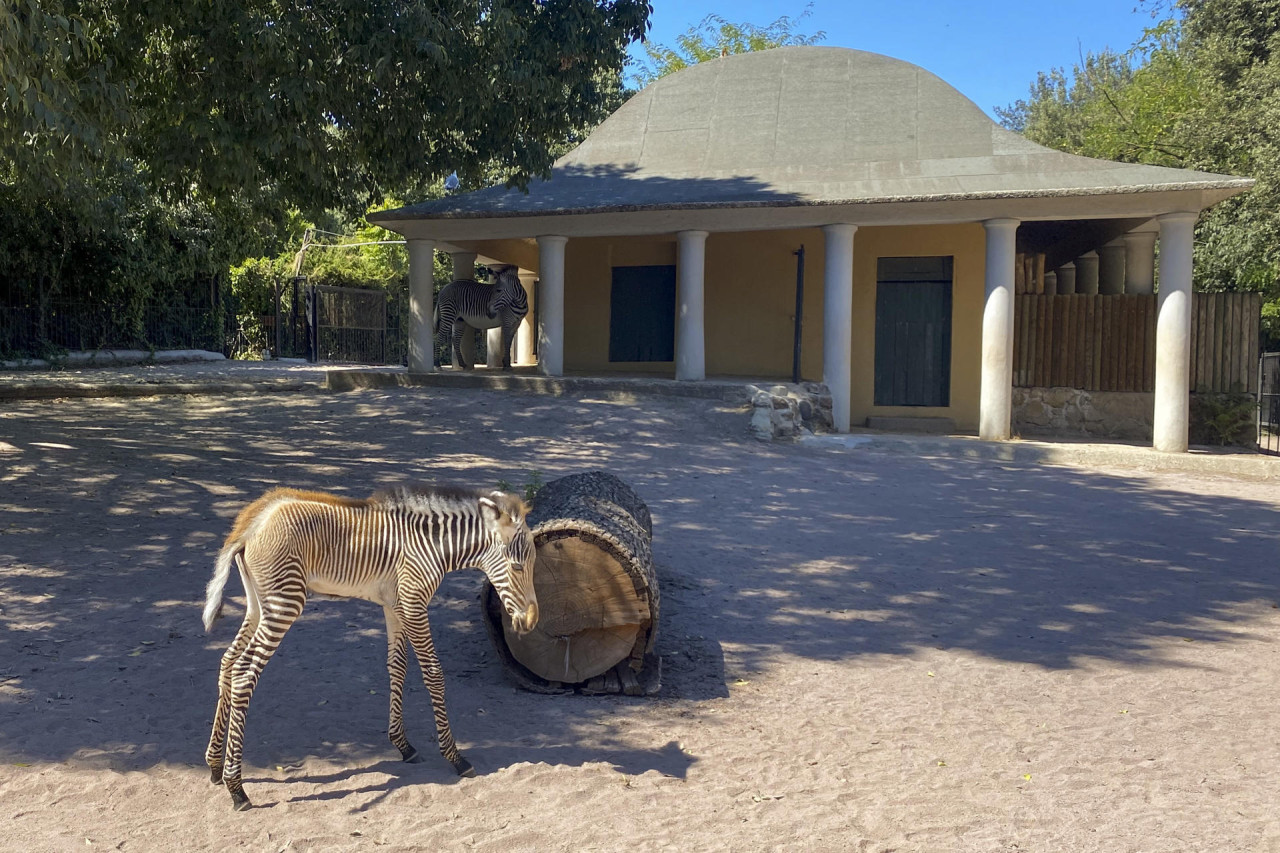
x=481, y=306
x=392, y=549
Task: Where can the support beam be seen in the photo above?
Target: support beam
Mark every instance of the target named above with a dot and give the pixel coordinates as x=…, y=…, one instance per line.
x=524, y=338
x=1140, y=262
x=691, y=253
x=1067, y=279
x=551, y=311
x=1087, y=273
x=1111, y=268
x=421, y=307
x=1173, y=333
x=995, y=406
x=837, y=319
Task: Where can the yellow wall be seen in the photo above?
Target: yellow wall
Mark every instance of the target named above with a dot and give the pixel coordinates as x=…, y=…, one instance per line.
x=750, y=304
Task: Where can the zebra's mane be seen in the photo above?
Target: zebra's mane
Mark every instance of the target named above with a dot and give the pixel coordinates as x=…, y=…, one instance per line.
x=423, y=497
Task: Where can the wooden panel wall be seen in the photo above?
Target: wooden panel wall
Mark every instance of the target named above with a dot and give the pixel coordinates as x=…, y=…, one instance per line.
x=1107, y=343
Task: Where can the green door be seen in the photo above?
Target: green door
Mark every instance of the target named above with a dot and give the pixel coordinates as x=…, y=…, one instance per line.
x=913, y=332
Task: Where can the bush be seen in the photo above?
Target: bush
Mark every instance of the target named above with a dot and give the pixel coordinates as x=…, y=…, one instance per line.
x=1224, y=419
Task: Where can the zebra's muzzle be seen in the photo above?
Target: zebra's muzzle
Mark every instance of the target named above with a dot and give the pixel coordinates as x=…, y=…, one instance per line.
x=524, y=621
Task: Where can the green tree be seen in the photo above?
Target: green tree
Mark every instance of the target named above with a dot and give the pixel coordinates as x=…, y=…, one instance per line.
x=1200, y=90
x=713, y=37
x=324, y=104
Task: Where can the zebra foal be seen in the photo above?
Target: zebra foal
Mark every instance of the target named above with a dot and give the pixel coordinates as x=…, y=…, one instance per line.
x=392, y=549
x=466, y=303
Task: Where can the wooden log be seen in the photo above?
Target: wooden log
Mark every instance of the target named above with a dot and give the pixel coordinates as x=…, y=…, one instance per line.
x=598, y=597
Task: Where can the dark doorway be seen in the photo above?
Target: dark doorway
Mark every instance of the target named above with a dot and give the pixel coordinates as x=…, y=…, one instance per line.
x=913, y=332
x=642, y=314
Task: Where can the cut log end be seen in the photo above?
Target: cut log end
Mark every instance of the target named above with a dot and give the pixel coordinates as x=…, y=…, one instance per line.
x=597, y=592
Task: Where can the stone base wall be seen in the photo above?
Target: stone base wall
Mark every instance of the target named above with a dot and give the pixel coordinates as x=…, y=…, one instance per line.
x=787, y=411
x=1069, y=412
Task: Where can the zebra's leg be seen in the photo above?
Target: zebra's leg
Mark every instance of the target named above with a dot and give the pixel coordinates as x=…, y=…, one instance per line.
x=397, y=658
x=459, y=358
x=510, y=323
x=419, y=631
x=281, y=609
x=218, y=738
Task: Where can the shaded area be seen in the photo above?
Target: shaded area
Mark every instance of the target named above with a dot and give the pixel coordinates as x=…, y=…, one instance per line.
x=111, y=513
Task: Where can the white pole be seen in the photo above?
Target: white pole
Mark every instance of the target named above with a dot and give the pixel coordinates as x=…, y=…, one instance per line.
x=421, y=286
x=691, y=254
x=837, y=319
x=551, y=313
x=1173, y=333
x=995, y=406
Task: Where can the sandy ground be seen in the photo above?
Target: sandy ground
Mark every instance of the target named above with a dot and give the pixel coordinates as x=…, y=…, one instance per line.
x=863, y=650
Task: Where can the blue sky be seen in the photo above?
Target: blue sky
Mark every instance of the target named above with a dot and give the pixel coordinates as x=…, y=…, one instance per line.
x=990, y=50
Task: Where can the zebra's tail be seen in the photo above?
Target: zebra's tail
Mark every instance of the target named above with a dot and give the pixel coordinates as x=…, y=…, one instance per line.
x=221, y=571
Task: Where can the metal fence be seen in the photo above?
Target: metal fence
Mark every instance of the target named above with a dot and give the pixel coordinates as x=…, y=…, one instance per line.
x=1269, y=403
x=62, y=326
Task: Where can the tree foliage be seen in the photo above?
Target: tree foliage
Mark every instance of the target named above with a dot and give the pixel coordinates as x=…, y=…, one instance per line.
x=714, y=36
x=325, y=104
x=1200, y=90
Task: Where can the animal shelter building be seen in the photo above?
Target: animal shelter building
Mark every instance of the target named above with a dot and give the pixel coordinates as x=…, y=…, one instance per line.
x=826, y=211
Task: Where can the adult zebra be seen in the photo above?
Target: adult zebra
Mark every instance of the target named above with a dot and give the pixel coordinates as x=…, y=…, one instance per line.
x=466, y=303
x=392, y=549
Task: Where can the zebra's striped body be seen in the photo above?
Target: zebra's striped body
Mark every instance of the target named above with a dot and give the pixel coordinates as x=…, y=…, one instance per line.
x=392, y=549
x=481, y=306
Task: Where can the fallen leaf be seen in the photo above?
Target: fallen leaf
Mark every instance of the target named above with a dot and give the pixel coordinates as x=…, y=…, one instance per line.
x=1026, y=776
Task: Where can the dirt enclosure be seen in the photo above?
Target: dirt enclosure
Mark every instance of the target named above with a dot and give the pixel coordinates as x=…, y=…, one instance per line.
x=862, y=650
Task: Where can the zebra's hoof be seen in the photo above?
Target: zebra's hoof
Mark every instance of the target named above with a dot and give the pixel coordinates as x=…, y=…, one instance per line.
x=412, y=757
x=239, y=802
x=215, y=775
x=464, y=768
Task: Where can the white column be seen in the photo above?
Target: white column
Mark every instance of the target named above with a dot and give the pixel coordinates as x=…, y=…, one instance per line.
x=1173, y=333
x=1067, y=278
x=1140, y=262
x=691, y=254
x=421, y=287
x=995, y=406
x=1087, y=273
x=524, y=338
x=551, y=311
x=1111, y=268
x=464, y=265
x=837, y=319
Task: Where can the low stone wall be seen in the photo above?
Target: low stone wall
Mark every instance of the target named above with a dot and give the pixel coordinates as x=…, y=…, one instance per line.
x=787, y=411
x=1068, y=412
x=114, y=358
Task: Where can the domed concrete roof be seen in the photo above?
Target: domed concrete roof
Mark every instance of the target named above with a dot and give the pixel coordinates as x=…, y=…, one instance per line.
x=807, y=126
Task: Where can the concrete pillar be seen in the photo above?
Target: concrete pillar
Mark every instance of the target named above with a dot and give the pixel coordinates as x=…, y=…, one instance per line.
x=493, y=347
x=691, y=254
x=1173, y=333
x=421, y=293
x=1140, y=262
x=464, y=265
x=1050, y=283
x=551, y=311
x=837, y=319
x=1067, y=279
x=1087, y=273
x=524, y=338
x=1111, y=268
x=995, y=406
